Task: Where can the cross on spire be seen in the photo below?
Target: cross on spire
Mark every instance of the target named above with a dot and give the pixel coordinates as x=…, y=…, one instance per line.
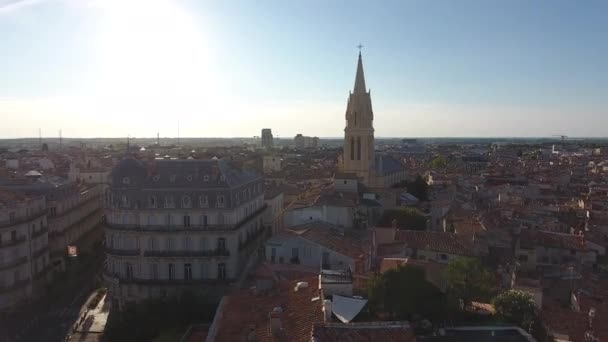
x=359, y=47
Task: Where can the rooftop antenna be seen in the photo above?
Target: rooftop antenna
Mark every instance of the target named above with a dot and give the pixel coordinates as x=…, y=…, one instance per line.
x=158, y=138
x=60, y=140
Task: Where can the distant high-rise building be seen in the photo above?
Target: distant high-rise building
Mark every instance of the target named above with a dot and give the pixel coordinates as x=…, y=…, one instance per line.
x=267, y=140
x=302, y=141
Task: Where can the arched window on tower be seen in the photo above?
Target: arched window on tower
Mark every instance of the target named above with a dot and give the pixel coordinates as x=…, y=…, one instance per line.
x=358, y=148
x=352, y=148
x=355, y=119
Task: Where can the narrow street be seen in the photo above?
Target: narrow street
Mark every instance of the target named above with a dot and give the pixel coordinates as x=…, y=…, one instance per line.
x=51, y=317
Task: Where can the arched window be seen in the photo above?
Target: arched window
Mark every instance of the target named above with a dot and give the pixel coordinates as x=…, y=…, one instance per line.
x=352, y=148
x=358, y=148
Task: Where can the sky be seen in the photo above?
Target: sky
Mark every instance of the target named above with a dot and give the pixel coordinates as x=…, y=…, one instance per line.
x=117, y=68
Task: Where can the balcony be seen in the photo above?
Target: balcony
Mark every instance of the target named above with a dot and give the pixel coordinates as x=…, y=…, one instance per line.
x=14, y=242
x=40, y=232
x=41, y=251
x=186, y=254
x=17, y=262
x=19, y=220
x=15, y=286
x=251, y=239
x=122, y=252
x=116, y=278
x=178, y=228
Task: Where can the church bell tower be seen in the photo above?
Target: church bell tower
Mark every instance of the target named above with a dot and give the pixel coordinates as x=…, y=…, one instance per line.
x=358, y=154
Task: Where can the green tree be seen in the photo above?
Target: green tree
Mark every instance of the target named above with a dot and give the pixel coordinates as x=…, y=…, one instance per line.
x=468, y=280
x=419, y=188
x=407, y=218
x=516, y=307
x=438, y=163
x=404, y=292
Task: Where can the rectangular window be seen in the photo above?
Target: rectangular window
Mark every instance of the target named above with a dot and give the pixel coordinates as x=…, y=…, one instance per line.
x=153, y=271
x=203, y=271
x=186, y=221
x=171, y=271
x=187, y=271
x=152, y=202
x=204, y=221
x=273, y=255
x=295, y=255
x=221, y=244
x=203, y=244
x=221, y=271
x=11, y=217
x=129, y=270
x=13, y=235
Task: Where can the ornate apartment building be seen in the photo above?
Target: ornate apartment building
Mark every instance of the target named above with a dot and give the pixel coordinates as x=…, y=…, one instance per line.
x=180, y=223
x=24, y=252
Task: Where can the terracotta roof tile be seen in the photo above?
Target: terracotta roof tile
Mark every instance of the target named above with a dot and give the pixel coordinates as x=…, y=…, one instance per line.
x=363, y=331
x=457, y=244
x=245, y=310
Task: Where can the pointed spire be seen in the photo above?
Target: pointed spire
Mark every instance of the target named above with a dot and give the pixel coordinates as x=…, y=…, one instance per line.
x=359, y=78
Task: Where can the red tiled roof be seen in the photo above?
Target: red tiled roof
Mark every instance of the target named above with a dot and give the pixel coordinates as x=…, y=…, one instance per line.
x=529, y=238
x=244, y=310
x=559, y=316
x=457, y=244
x=363, y=331
x=331, y=237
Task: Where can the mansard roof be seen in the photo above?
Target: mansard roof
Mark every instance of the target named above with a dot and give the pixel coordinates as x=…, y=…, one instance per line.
x=188, y=173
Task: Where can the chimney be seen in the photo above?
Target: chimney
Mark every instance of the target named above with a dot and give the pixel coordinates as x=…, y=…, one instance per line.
x=251, y=334
x=394, y=226
x=275, y=321
x=327, y=310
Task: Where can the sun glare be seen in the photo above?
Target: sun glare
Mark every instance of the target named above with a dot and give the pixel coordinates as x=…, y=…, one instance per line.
x=153, y=55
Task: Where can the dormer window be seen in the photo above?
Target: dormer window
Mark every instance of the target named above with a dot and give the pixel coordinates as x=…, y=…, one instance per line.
x=156, y=178
x=124, y=201
x=203, y=201
x=189, y=178
x=206, y=178
x=186, y=202
x=169, y=202
x=126, y=181
x=220, y=201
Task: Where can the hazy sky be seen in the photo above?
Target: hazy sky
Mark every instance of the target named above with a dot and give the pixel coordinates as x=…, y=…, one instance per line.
x=229, y=68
